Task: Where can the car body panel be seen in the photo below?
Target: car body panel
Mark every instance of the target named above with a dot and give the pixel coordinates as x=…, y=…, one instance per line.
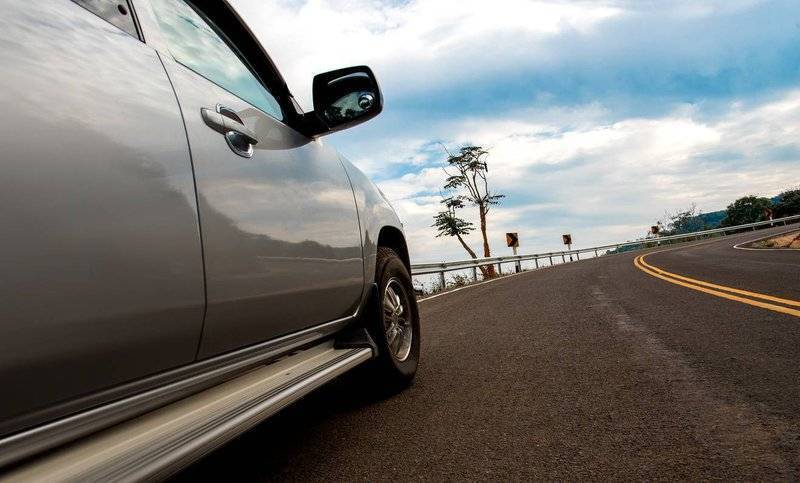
x=101, y=259
x=280, y=230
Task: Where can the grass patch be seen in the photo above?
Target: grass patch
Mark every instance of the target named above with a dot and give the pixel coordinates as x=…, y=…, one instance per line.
x=787, y=240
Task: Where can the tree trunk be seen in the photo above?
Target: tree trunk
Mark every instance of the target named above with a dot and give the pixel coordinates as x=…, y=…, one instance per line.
x=473, y=255
x=490, y=273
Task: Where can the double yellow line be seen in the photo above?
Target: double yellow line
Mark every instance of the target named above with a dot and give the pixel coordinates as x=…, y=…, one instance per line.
x=744, y=296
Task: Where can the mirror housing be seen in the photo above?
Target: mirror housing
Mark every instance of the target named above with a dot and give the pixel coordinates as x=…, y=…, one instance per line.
x=343, y=98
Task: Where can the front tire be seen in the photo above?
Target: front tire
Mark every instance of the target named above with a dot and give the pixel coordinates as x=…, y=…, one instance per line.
x=396, y=328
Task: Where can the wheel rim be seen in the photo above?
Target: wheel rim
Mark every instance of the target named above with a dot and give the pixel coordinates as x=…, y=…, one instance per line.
x=397, y=320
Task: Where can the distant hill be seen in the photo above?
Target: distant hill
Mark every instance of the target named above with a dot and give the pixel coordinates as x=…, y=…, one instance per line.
x=712, y=219
x=703, y=221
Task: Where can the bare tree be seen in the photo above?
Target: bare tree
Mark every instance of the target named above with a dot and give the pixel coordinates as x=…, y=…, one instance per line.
x=687, y=220
x=467, y=176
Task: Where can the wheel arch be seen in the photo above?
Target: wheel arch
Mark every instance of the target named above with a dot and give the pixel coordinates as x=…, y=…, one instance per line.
x=392, y=237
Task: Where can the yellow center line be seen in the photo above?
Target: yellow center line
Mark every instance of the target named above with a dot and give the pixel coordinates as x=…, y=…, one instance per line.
x=720, y=287
x=643, y=266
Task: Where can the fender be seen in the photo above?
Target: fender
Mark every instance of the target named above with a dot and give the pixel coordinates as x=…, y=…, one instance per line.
x=378, y=220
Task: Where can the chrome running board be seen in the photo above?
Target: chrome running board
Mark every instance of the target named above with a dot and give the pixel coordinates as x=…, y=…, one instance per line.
x=159, y=443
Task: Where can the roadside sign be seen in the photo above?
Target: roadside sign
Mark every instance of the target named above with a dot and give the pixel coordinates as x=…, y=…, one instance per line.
x=568, y=242
x=512, y=240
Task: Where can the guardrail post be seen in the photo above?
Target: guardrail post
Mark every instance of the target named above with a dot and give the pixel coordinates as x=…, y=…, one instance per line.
x=536, y=260
x=578, y=255
x=441, y=278
x=551, y=260
x=595, y=252
x=563, y=260
x=474, y=274
x=499, y=268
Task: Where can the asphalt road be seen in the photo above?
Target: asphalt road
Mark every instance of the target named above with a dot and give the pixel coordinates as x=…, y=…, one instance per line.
x=590, y=370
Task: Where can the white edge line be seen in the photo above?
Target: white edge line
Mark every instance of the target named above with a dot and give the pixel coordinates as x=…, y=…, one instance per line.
x=739, y=246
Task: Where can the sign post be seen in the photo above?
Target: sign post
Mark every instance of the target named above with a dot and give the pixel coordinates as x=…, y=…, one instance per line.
x=567, y=238
x=512, y=240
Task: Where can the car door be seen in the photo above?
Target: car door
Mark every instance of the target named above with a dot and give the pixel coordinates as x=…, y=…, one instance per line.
x=101, y=275
x=279, y=222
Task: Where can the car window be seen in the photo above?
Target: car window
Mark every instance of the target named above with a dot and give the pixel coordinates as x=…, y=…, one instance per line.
x=115, y=12
x=195, y=43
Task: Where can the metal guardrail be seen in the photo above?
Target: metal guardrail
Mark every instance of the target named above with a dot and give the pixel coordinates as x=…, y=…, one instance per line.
x=475, y=263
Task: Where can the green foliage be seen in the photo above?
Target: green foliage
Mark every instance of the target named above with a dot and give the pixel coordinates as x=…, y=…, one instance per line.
x=788, y=203
x=748, y=209
x=448, y=223
x=470, y=177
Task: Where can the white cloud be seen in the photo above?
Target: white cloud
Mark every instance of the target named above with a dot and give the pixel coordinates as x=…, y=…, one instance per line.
x=406, y=42
x=609, y=182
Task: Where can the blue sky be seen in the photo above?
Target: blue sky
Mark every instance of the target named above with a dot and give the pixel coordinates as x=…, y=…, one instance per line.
x=599, y=115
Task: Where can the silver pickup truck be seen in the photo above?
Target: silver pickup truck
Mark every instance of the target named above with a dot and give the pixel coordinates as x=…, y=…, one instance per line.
x=180, y=255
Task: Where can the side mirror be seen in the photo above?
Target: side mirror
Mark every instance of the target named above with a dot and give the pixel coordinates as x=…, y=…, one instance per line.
x=344, y=98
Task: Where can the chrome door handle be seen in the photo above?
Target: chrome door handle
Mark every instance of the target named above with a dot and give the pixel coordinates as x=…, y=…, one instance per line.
x=225, y=121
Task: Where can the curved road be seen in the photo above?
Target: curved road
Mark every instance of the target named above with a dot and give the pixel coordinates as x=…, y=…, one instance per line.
x=596, y=369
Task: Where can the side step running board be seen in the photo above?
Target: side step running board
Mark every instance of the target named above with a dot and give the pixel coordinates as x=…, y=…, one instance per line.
x=158, y=443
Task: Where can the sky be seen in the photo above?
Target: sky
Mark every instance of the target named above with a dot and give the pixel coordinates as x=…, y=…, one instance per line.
x=599, y=116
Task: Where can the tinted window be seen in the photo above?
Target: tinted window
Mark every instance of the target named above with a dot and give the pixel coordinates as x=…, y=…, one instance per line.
x=195, y=43
x=117, y=13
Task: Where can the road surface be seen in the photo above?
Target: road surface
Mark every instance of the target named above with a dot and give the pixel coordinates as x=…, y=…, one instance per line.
x=597, y=369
